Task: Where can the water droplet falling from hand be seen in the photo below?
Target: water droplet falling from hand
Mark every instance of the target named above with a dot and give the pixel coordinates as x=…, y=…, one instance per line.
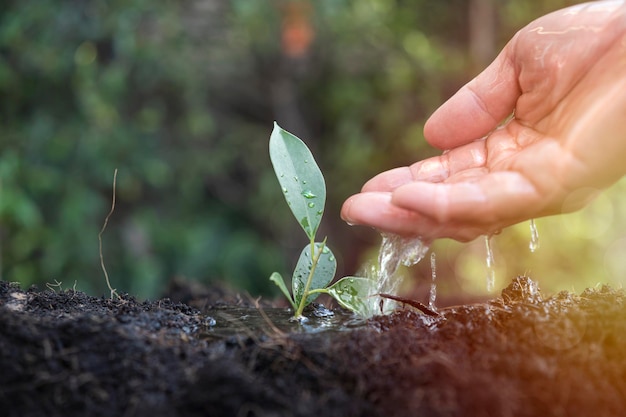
x=534, y=236
x=491, y=273
x=432, y=296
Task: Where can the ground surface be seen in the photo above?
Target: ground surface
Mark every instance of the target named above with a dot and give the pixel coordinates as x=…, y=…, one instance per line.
x=68, y=354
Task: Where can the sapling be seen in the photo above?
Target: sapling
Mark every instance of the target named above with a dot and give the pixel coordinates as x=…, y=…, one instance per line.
x=304, y=189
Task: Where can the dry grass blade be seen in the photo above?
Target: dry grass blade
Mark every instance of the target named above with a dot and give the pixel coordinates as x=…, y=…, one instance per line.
x=104, y=226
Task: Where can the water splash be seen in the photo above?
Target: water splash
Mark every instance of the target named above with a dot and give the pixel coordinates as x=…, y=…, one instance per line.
x=534, y=236
x=394, y=251
x=491, y=273
x=432, y=296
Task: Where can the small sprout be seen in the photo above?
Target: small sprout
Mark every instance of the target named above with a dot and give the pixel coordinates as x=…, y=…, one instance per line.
x=317, y=265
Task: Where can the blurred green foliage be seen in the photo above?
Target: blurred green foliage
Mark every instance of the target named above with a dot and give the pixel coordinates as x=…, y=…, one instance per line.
x=180, y=96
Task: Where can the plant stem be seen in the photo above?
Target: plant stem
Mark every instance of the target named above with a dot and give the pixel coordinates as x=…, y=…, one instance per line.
x=314, y=260
x=319, y=291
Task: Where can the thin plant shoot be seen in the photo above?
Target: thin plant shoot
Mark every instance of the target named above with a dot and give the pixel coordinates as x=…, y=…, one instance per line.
x=304, y=189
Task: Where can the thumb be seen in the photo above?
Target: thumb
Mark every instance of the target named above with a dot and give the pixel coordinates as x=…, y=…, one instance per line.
x=478, y=107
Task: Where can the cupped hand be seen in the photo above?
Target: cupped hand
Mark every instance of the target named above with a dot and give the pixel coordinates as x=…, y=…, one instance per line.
x=546, y=120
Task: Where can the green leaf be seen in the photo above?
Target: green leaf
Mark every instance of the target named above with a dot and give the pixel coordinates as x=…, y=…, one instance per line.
x=322, y=276
x=277, y=279
x=300, y=178
x=353, y=293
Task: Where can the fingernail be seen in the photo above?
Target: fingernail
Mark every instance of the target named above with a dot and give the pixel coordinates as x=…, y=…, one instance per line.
x=346, y=208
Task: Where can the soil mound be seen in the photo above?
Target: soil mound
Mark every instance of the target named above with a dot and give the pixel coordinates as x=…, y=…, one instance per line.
x=68, y=354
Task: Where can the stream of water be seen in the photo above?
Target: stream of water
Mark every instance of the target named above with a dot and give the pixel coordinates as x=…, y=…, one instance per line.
x=394, y=251
x=432, y=296
x=533, y=245
x=491, y=272
x=397, y=250
x=534, y=236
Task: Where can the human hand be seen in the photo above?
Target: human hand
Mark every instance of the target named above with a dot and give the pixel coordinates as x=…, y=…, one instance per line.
x=564, y=78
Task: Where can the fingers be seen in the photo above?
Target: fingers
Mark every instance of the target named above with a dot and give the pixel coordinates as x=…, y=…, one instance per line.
x=376, y=210
x=478, y=107
x=497, y=199
x=388, y=180
x=436, y=169
x=461, y=211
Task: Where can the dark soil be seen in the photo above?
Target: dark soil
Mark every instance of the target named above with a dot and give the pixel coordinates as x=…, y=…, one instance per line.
x=69, y=354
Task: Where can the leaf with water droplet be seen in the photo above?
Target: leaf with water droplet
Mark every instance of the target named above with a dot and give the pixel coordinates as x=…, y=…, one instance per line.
x=288, y=154
x=322, y=276
x=352, y=293
x=277, y=279
x=304, y=222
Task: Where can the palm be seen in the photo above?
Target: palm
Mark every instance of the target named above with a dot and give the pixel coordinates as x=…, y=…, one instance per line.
x=563, y=76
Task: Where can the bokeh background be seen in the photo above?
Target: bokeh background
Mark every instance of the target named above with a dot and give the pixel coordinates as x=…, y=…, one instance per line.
x=180, y=97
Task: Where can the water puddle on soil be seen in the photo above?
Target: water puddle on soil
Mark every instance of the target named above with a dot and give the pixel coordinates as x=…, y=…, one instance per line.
x=244, y=321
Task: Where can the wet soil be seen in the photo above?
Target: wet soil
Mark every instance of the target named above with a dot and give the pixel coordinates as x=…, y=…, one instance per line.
x=68, y=354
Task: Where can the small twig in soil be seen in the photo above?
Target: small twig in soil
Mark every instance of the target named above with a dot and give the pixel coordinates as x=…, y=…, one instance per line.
x=269, y=322
x=106, y=221
x=421, y=307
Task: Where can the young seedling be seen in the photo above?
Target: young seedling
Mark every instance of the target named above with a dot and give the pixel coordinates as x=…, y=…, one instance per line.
x=304, y=189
